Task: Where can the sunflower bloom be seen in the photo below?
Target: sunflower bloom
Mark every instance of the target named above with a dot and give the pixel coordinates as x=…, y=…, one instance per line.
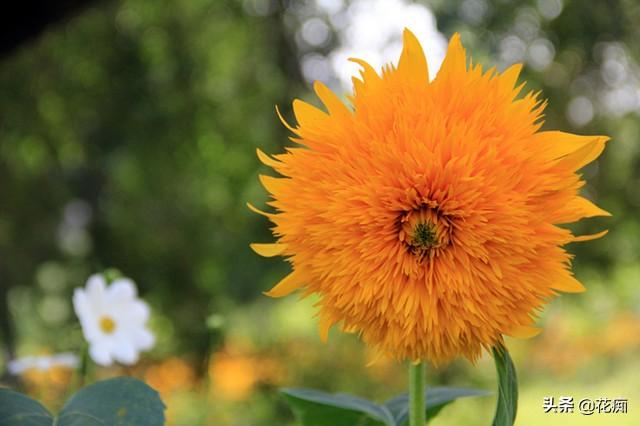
x=426, y=214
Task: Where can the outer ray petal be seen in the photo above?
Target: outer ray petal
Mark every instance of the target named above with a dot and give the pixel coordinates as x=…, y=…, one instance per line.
x=368, y=73
x=376, y=357
x=284, y=122
x=286, y=286
x=510, y=76
x=567, y=283
x=524, y=332
x=333, y=103
x=268, y=250
x=583, y=155
x=590, y=237
x=266, y=160
x=370, y=84
x=556, y=144
x=325, y=324
x=412, y=65
x=260, y=212
x=307, y=115
x=576, y=209
x=455, y=62
x=271, y=184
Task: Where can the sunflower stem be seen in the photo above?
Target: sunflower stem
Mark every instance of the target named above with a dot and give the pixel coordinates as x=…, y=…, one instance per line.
x=417, y=409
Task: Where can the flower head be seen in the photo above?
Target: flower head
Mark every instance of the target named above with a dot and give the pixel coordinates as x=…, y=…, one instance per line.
x=113, y=320
x=426, y=215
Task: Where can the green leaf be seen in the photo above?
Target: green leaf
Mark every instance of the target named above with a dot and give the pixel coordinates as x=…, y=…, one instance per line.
x=507, y=388
x=17, y=409
x=436, y=400
x=316, y=408
x=122, y=401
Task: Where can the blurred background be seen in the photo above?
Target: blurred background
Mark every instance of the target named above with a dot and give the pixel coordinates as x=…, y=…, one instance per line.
x=128, y=132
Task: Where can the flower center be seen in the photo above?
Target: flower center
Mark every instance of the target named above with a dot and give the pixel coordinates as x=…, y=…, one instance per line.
x=424, y=231
x=107, y=324
x=423, y=236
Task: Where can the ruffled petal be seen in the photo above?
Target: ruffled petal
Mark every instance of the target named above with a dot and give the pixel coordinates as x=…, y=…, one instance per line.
x=567, y=283
x=333, y=103
x=524, y=331
x=412, y=65
x=260, y=212
x=590, y=237
x=268, y=250
x=286, y=286
x=266, y=160
x=455, y=62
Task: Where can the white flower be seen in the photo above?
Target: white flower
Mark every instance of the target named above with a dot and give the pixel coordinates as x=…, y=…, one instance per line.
x=42, y=363
x=113, y=320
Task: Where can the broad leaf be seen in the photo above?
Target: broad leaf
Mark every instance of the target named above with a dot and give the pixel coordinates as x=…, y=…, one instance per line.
x=17, y=409
x=436, y=399
x=507, y=388
x=315, y=408
x=122, y=401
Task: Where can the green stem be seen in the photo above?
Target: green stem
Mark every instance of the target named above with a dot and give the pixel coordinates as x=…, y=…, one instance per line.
x=82, y=370
x=417, y=409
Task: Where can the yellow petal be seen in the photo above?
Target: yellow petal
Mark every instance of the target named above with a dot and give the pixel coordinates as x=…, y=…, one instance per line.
x=324, y=326
x=558, y=144
x=368, y=73
x=455, y=61
x=271, y=184
x=584, y=155
x=266, y=160
x=260, y=212
x=375, y=358
x=268, y=250
x=308, y=115
x=577, y=209
x=524, y=332
x=333, y=103
x=370, y=84
x=568, y=284
x=590, y=237
x=413, y=64
x=289, y=284
x=510, y=76
x=587, y=208
x=284, y=122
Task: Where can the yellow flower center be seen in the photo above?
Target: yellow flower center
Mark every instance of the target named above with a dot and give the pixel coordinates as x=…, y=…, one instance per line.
x=107, y=324
x=424, y=231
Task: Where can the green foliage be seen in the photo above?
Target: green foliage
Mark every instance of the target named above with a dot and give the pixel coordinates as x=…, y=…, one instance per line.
x=149, y=132
x=436, y=399
x=17, y=409
x=121, y=401
x=507, y=388
x=316, y=408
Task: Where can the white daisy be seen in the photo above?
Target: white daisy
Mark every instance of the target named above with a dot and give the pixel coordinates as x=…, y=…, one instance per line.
x=113, y=319
x=42, y=363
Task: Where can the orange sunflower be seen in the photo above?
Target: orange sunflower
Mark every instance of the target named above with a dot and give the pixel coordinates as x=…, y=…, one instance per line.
x=425, y=214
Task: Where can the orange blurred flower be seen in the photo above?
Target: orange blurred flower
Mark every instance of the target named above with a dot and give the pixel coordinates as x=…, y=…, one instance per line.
x=233, y=376
x=46, y=377
x=173, y=374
